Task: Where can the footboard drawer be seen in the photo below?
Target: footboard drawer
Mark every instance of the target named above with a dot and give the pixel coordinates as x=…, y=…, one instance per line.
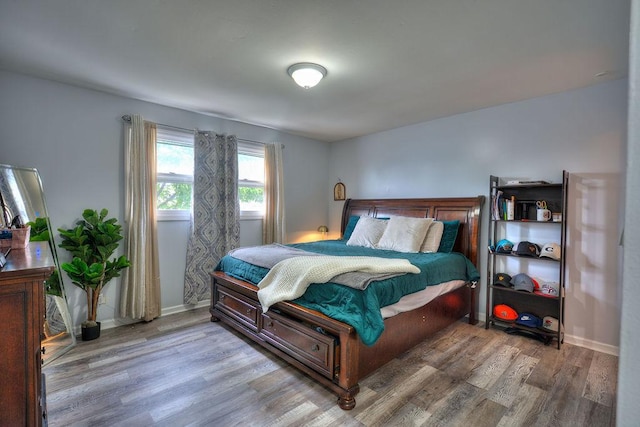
x=237, y=306
x=305, y=344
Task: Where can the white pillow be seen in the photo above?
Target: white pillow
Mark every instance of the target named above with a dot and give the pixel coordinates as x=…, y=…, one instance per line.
x=434, y=235
x=404, y=234
x=367, y=232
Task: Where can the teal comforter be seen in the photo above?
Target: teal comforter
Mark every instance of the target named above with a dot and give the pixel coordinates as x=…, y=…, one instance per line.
x=361, y=309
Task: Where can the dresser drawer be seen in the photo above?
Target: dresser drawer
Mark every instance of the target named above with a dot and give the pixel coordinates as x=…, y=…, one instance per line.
x=237, y=306
x=305, y=344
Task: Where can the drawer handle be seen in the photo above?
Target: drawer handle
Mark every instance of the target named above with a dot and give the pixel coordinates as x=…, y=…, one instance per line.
x=315, y=347
x=270, y=324
x=221, y=297
x=248, y=311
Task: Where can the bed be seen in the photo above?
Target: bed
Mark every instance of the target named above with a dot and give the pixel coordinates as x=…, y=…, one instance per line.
x=331, y=351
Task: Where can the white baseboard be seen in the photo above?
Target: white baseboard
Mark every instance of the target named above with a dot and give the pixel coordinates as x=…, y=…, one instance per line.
x=184, y=307
x=592, y=345
x=112, y=323
x=581, y=342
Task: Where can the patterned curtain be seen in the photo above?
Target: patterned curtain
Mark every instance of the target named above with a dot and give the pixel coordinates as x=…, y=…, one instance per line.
x=140, y=295
x=273, y=228
x=215, y=224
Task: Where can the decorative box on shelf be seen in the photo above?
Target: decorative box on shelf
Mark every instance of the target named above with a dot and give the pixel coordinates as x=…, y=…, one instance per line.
x=15, y=238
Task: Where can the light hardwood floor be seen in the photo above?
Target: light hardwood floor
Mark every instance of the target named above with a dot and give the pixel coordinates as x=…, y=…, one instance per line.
x=183, y=370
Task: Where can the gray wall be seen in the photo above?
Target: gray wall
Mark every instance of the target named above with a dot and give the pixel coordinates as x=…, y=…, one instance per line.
x=628, y=410
x=581, y=131
x=73, y=136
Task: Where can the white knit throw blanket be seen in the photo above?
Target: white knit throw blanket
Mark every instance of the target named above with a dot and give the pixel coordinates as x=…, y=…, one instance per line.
x=290, y=278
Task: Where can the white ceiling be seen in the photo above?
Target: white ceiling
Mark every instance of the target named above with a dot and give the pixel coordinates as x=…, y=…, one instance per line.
x=391, y=62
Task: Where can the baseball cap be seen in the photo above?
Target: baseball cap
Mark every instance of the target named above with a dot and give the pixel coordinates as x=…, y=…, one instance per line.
x=549, y=289
x=530, y=320
x=522, y=282
x=502, y=279
x=536, y=283
x=504, y=246
x=551, y=250
x=550, y=323
x=504, y=312
x=528, y=249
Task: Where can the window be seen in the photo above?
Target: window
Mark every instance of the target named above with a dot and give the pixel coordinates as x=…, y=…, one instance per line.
x=174, y=161
x=251, y=179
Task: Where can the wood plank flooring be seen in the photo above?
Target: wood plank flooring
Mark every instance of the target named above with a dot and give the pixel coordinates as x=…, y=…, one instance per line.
x=183, y=370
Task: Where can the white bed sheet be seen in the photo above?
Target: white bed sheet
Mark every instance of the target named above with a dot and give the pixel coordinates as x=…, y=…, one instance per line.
x=420, y=298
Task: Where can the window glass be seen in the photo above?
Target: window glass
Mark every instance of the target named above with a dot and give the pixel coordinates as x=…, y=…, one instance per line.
x=251, y=179
x=174, y=162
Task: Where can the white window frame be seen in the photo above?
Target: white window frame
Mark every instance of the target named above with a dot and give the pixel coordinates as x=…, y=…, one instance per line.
x=257, y=150
x=182, y=138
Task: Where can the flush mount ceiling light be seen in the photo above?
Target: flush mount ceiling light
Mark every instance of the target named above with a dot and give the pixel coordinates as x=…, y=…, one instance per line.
x=307, y=74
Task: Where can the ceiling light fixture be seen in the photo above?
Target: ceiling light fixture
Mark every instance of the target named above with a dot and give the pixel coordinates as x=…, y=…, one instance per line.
x=306, y=74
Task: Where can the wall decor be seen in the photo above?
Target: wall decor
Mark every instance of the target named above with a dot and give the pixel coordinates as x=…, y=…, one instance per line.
x=339, y=191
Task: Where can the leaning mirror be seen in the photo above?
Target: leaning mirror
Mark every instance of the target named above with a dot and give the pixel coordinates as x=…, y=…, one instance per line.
x=23, y=196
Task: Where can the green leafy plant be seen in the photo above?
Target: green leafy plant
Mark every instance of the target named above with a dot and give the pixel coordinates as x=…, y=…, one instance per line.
x=40, y=233
x=92, y=243
x=39, y=230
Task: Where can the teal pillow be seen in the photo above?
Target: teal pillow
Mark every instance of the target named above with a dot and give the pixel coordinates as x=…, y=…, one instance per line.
x=449, y=235
x=351, y=224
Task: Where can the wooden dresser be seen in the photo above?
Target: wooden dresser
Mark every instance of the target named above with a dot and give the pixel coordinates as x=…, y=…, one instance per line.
x=22, y=399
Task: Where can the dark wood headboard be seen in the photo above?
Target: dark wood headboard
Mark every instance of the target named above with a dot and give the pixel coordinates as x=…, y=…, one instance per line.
x=465, y=209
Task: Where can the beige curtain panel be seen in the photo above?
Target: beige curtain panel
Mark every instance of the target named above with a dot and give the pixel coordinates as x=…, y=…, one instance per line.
x=140, y=295
x=273, y=228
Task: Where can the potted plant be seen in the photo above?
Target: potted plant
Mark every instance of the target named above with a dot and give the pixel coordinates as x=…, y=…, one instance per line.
x=92, y=243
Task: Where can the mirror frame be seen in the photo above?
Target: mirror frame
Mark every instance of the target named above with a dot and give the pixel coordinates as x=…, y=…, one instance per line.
x=52, y=347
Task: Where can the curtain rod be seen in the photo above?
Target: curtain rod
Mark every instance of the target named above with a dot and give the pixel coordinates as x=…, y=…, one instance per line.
x=127, y=118
x=251, y=140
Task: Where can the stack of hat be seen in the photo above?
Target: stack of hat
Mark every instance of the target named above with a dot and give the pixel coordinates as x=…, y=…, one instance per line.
x=526, y=283
x=506, y=313
x=526, y=248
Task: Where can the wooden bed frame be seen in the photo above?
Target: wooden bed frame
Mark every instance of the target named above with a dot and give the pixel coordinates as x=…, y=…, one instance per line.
x=337, y=358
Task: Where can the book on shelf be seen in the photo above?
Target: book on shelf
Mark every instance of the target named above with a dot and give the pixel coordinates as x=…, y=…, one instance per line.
x=496, y=207
x=511, y=209
x=503, y=208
